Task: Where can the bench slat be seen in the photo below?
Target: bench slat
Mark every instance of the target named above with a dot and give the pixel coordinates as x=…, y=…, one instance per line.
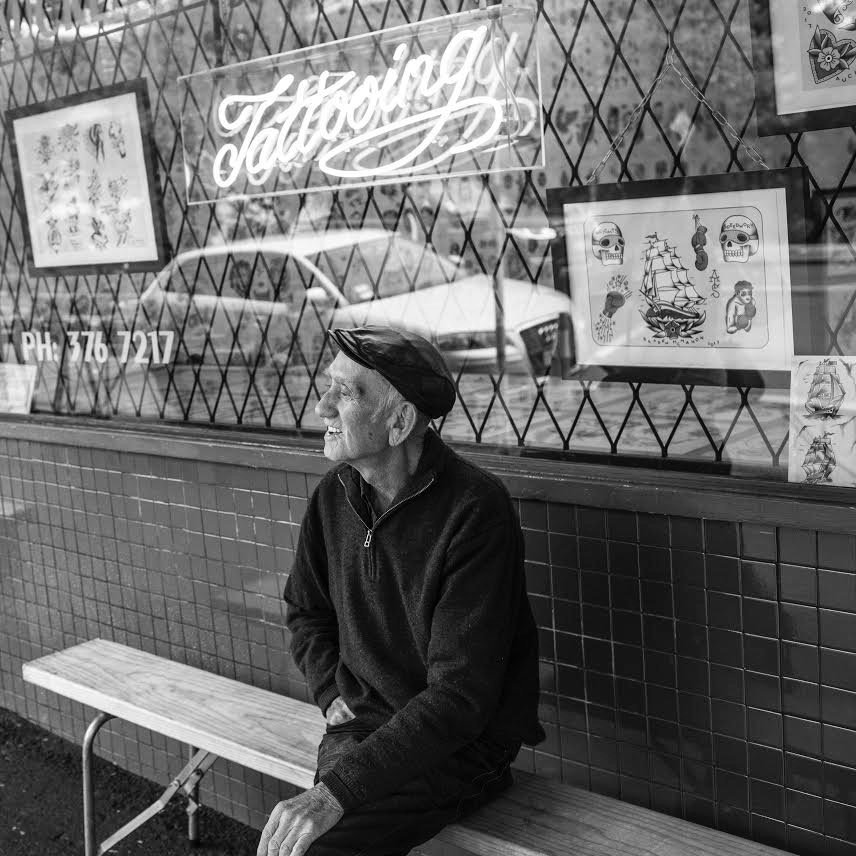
x=539, y=817
x=253, y=727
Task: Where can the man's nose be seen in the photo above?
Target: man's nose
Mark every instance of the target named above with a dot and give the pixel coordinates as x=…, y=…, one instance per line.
x=325, y=408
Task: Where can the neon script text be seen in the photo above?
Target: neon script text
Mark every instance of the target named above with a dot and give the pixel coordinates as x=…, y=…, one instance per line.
x=424, y=110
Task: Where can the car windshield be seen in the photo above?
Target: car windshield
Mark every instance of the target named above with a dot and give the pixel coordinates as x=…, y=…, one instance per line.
x=383, y=267
x=254, y=275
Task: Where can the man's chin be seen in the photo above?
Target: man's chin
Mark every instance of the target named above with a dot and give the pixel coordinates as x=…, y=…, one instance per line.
x=332, y=449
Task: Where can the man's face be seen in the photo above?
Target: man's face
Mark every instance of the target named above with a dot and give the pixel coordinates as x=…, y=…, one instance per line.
x=745, y=295
x=351, y=409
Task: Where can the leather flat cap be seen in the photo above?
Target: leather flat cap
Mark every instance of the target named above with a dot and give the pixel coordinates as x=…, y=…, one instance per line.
x=408, y=361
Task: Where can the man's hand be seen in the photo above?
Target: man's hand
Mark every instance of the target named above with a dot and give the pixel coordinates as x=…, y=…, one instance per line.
x=338, y=712
x=294, y=824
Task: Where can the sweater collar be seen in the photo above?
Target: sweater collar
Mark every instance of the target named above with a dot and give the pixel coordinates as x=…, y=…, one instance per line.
x=432, y=461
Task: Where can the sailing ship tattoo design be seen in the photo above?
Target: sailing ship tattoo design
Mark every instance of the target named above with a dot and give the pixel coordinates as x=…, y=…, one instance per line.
x=819, y=460
x=825, y=393
x=673, y=311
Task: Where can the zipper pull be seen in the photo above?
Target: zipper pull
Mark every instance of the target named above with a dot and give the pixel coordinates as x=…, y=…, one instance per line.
x=368, y=540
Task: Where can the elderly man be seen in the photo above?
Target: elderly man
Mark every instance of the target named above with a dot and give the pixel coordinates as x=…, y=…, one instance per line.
x=409, y=616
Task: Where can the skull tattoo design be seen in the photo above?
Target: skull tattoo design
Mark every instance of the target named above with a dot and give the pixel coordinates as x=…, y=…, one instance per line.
x=607, y=244
x=738, y=239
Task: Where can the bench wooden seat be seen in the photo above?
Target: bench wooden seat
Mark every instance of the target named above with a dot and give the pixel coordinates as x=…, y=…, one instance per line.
x=279, y=736
x=253, y=727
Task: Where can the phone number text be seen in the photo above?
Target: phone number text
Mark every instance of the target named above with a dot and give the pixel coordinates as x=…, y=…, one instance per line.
x=89, y=346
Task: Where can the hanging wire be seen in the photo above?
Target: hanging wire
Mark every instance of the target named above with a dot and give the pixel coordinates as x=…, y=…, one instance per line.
x=671, y=66
x=501, y=65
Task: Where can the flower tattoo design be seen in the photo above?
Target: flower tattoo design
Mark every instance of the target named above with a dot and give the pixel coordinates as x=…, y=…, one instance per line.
x=829, y=56
x=93, y=188
x=44, y=150
x=68, y=138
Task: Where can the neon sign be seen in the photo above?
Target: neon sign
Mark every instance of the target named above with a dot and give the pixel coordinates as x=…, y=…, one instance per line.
x=838, y=14
x=452, y=96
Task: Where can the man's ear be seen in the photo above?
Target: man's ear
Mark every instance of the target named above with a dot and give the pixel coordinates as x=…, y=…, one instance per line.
x=401, y=423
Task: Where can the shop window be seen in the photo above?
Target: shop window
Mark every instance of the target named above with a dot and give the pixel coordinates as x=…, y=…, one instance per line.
x=232, y=330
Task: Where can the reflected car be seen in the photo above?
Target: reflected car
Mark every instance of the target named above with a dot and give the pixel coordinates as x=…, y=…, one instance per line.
x=272, y=300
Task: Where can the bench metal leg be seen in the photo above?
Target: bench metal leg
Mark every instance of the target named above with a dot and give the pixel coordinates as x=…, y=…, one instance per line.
x=88, y=814
x=187, y=780
x=193, y=804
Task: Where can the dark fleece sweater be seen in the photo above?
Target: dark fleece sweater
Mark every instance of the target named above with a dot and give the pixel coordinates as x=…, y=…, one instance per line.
x=419, y=620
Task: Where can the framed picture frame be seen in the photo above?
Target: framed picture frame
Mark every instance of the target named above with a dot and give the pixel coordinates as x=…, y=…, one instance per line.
x=688, y=280
x=87, y=183
x=819, y=90
x=822, y=428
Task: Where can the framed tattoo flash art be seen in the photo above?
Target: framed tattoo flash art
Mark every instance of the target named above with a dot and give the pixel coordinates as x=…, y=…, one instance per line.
x=823, y=421
x=804, y=53
x=682, y=280
x=87, y=185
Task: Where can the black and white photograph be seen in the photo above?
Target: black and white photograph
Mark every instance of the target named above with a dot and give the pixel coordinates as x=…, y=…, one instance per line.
x=428, y=428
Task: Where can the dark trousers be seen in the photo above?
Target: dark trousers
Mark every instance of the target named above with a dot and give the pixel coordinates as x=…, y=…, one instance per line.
x=418, y=810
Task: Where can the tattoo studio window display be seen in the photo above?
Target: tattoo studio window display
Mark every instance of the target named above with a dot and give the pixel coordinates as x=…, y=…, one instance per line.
x=685, y=275
x=819, y=89
x=86, y=180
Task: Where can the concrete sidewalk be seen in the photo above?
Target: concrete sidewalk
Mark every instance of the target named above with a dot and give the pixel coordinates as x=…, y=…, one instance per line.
x=41, y=805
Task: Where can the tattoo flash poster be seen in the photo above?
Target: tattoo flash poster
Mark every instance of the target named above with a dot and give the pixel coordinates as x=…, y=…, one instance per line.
x=85, y=184
x=693, y=281
x=823, y=421
x=822, y=35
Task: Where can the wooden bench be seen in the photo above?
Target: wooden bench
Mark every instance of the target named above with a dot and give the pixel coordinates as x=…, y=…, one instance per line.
x=279, y=736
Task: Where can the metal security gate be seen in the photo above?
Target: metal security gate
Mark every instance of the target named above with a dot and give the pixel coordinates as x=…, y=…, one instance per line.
x=599, y=59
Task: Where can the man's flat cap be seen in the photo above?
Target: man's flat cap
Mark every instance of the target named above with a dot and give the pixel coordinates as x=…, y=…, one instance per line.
x=409, y=362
